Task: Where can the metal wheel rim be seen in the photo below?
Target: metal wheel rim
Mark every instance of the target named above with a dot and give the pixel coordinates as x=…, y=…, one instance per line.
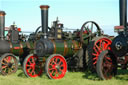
x=107, y=67
x=86, y=32
x=33, y=67
x=99, y=46
x=8, y=65
x=57, y=67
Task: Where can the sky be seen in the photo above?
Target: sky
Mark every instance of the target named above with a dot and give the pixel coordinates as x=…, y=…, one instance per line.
x=72, y=13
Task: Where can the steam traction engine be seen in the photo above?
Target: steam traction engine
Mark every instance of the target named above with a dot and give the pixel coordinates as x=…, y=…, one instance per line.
x=61, y=46
x=108, y=59
x=51, y=48
x=11, y=47
x=7, y=59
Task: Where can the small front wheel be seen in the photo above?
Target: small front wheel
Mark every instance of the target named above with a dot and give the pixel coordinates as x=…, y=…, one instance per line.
x=56, y=66
x=32, y=67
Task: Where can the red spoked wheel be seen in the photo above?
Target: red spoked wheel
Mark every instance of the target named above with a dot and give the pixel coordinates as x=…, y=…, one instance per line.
x=95, y=47
x=56, y=66
x=32, y=67
x=106, y=65
x=8, y=64
x=100, y=45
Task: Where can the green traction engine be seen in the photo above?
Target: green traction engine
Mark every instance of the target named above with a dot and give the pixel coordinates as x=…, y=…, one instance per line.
x=57, y=50
x=11, y=46
x=51, y=48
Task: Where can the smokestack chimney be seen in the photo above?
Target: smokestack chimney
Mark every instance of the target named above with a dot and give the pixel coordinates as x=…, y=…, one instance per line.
x=2, y=24
x=44, y=19
x=123, y=12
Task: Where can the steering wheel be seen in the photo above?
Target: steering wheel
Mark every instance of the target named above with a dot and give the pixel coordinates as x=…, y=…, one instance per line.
x=89, y=30
x=37, y=30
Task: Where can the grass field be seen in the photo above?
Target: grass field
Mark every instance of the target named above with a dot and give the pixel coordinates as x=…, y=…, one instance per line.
x=71, y=78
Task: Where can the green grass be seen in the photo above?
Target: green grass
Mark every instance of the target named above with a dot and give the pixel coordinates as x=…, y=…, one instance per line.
x=71, y=78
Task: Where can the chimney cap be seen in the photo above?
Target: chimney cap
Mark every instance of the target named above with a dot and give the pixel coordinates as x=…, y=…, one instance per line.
x=2, y=13
x=44, y=7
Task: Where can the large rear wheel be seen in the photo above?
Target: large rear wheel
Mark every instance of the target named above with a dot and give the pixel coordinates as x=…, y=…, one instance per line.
x=95, y=47
x=106, y=65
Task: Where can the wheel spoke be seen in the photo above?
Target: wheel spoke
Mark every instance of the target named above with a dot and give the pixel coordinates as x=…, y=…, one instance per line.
x=4, y=67
x=13, y=66
x=91, y=28
x=106, y=72
x=30, y=62
x=56, y=72
x=94, y=63
x=103, y=44
x=100, y=43
x=61, y=65
x=3, y=63
x=99, y=49
x=34, y=72
x=56, y=60
x=96, y=51
x=29, y=65
x=51, y=72
x=107, y=46
x=5, y=60
x=10, y=70
x=95, y=58
x=4, y=70
x=28, y=69
x=9, y=58
x=52, y=62
x=51, y=69
x=33, y=60
x=108, y=60
x=60, y=62
x=95, y=54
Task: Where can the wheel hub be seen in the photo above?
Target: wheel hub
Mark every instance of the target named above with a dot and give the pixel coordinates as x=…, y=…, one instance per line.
x=119, y=45
x=57, y=67
x=10, y=65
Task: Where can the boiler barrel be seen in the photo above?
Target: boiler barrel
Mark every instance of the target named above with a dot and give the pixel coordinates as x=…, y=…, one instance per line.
x=63, y=47
x=21, y=48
